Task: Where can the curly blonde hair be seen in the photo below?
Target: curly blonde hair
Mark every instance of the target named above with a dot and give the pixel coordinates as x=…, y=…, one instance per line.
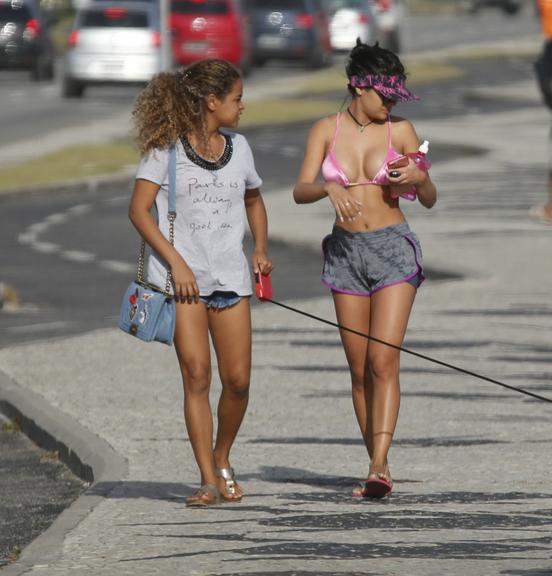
x=174, y=103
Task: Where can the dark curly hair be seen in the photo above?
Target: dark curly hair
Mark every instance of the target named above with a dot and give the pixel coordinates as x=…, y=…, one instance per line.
x=173, y=103
x=365, y=59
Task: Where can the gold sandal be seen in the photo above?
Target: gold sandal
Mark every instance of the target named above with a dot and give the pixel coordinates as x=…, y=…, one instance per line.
x=232, y=492
x=207, y=495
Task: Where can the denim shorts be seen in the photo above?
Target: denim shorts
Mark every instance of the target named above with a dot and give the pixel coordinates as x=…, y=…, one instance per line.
x=220, y=299
x=362, y=263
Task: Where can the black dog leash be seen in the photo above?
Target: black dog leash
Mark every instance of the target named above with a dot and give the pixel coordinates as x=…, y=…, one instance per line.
x=407, y=351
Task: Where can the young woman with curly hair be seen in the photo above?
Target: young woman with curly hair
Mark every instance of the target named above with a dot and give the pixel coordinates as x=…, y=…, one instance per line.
x=217, y=189
x=372, y=260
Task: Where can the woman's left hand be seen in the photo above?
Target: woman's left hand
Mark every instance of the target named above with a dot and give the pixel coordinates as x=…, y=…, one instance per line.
x=261, y=262
x=407, y=176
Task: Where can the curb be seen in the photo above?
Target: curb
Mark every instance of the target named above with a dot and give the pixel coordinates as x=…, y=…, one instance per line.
x=87, y=455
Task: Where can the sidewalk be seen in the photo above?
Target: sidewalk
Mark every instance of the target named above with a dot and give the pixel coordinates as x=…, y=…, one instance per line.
x=471, y=461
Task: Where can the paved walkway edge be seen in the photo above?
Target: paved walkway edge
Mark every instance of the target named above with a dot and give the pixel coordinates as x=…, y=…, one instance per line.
x=87, y=455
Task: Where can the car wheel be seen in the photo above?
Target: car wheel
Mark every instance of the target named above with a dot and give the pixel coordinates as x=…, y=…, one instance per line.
x=42, y=70
x=511, y=8
x=72, y=88
x=391, y=41
x=319, y=58
x=246, y=65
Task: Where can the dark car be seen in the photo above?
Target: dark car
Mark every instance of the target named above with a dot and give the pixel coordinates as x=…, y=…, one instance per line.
x=210, y=29
x=25, y=41
x=507, y=6
x=290, y=30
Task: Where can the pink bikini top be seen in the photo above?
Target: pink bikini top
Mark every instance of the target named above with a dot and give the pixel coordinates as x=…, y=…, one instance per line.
x=332, y=171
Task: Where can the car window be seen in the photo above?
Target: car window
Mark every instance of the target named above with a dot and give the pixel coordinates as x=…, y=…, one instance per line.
x=277, y=5
x=113, y=17
x=14, y=13
x=200, y=7
x=335, y=5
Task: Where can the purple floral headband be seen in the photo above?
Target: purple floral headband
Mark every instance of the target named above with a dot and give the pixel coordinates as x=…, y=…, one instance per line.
x=390, y=87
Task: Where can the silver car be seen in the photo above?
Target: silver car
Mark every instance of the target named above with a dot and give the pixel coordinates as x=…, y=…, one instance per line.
x=349, y=20
x=112, y=42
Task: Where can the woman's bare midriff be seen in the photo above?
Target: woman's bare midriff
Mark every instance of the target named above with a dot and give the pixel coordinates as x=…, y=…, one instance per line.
x=378, y=209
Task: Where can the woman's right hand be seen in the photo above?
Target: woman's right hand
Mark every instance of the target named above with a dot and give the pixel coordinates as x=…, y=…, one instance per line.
x=346, y=206
x=184, y=282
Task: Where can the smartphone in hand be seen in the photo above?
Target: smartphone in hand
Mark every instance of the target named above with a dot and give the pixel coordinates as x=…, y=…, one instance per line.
x=400, y=162
x=263, y=286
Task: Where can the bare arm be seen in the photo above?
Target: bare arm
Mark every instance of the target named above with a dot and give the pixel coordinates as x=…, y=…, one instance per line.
x=258, y=224
x=306, y=188
x=426, y=190
x=143, y=197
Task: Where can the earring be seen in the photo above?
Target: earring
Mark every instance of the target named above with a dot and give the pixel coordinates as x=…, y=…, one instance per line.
x=358, y=91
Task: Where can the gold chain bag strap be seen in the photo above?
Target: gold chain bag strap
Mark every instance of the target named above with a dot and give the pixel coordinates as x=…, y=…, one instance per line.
x=147, y=311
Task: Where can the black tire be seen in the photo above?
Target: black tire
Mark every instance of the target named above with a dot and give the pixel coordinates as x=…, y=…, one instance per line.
x=43, y=69
x=391, y=40
x=319, y=58
x=246, y=66
x=72, y=88
x=511, y=8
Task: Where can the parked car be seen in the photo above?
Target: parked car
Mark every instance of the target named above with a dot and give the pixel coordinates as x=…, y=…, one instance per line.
x=290, y=30
x=25, y=40
x=114, y=43
x=349, y=20
x=210, y=29
x=390, y=20
x=508, y=6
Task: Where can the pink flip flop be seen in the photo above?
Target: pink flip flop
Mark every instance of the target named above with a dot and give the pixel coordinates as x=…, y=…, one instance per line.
x=377, y=486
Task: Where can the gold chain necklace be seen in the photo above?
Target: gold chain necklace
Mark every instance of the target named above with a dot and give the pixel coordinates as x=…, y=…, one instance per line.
x=360, y=126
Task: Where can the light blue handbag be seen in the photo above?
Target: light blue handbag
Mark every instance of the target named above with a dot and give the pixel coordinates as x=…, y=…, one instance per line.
x=147, y=311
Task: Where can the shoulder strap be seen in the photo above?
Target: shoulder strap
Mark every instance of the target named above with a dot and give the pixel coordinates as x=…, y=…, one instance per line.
x=172, y=180
x=171, y=215
x=337, y=117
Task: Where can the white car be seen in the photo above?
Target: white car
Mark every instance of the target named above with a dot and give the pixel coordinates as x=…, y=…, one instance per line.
x=349, y=20
x=112, y=42
x=390, y=15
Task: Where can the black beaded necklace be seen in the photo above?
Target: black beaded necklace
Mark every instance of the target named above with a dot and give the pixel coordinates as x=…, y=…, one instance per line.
x=360, y=126
x=217, y=164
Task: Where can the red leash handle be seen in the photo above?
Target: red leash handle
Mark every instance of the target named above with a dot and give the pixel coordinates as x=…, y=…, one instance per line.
x=263, y=287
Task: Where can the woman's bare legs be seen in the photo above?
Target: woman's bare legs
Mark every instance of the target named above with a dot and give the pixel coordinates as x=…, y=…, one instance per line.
x=354, y=312
x=192, y=348
x=390, y=312
x=375, y=367
x=231, y=333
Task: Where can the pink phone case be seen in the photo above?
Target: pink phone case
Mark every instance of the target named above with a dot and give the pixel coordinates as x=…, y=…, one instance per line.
x=399, y=162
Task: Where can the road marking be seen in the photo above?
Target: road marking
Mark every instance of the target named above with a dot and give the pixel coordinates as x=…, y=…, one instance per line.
x=117, y=266
x=46, y=247
x=78, y=256
x=44, y=327
x=26, y=238
x=79, y=209
x=38, y=227
x=57, y=218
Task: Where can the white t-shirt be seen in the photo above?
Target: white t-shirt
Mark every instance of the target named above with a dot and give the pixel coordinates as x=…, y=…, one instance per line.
x=210, y=222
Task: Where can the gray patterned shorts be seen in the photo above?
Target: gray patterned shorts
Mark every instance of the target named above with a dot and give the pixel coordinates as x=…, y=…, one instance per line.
x=362, y=263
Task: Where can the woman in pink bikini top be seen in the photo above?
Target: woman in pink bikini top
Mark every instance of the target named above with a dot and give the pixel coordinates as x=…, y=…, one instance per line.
x=332, y=171
x=372, y=259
